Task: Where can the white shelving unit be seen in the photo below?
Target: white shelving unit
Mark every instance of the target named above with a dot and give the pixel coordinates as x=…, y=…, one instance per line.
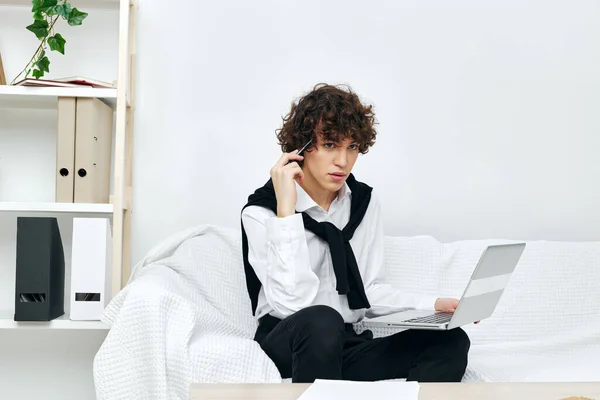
x=6, y=322
x=17, y=100
x=120, y=100
x=46, y=97
x=57, y=208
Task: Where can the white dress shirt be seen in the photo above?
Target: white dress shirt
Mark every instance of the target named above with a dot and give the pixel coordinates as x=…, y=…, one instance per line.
x=294, y=265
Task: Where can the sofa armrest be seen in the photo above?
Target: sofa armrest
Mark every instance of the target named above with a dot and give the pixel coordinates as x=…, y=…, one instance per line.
x=163, y=338
x=156, y=284
x=146, y=349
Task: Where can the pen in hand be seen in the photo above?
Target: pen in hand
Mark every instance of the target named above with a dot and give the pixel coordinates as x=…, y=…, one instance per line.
x=301, y=150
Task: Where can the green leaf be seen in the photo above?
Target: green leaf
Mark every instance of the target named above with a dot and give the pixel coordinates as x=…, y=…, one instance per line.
x=39, y=28
x=36, y=5
x=57, y=43
x=37, y=73
x=38, y=16
x=76, y=17
x=60, y=10
x=51, y=11
x=43, y=63
x=64, y=10
x=27, y=73
x=43, y=5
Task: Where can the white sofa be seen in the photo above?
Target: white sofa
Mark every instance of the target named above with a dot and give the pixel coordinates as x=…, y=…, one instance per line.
x=185, y=317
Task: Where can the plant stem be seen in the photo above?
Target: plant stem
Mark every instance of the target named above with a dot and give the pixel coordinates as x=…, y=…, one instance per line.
x=40, y=47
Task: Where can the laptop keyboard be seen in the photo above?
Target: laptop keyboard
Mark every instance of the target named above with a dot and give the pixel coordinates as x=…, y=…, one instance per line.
x=438, y=318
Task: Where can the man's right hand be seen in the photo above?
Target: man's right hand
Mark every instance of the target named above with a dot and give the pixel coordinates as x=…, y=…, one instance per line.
x=283, y=176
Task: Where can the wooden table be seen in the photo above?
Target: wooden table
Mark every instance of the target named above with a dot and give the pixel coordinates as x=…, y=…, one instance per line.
x=429, y=391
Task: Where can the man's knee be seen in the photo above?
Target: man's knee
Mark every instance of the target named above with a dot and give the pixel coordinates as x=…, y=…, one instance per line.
x=321, y=328
x=454, y=340
x=459, y=341
x=321, y=320
x=459, y=345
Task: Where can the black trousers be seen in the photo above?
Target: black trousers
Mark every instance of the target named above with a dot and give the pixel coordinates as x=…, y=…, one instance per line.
x=315, y=343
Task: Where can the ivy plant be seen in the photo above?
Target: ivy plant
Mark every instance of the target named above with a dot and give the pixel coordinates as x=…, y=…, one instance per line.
x=45, y=15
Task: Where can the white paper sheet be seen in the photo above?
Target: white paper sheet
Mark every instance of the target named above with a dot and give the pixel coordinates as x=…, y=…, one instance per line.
x=382, y=390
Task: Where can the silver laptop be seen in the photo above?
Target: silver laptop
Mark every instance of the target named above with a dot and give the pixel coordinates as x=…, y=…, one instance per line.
x=478, y=301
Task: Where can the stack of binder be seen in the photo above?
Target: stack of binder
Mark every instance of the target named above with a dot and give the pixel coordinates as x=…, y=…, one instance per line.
x=40, y=269
x=83, y=153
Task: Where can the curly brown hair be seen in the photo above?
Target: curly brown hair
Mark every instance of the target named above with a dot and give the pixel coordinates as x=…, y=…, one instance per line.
x=333, y=113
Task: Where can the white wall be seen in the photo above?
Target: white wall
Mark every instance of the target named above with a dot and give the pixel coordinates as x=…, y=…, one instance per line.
x=488, y=111
x=44, y=364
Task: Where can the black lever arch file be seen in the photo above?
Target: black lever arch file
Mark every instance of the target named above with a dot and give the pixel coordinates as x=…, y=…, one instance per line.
x=40, y=274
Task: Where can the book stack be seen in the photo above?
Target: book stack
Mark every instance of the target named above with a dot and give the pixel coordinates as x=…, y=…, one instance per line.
x=73, y=81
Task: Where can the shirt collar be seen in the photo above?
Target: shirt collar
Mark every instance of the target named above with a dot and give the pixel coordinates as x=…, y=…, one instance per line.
x=305, y=202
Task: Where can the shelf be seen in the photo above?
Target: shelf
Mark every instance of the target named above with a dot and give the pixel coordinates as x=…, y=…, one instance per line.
x=63, y=322
x=56, y=208
x=46, y=97
x=81, y=4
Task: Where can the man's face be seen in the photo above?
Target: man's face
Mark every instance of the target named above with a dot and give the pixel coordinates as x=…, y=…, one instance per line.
x=329, y=163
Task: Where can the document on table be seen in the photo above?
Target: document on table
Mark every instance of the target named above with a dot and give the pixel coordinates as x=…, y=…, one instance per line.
x=329, y=389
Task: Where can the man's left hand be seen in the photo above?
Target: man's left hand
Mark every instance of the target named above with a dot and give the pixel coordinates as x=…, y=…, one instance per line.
x=447, y=305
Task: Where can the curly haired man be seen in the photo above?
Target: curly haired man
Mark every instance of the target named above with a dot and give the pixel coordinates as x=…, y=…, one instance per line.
x=312, y=242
